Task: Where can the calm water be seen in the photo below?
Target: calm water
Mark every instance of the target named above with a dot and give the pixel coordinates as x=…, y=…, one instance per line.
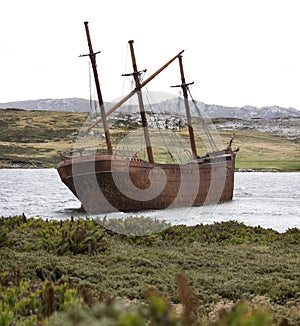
x=271, y=200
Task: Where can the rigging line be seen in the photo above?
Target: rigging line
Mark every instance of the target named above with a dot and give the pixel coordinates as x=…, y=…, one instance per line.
x=178, y=102
x=142, y=75
x=174, y=144
x=159, y=129
x=125, y=67
x=128, y=104
x=179, y=116
x=207, y=132
x=90, y=88
x=93, y=103
x=155, y=120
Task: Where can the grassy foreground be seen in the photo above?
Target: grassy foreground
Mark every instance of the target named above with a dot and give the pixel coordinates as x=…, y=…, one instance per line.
x=77, y=272
x=37, y=137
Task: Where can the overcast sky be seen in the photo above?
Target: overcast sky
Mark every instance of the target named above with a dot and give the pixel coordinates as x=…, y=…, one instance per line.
x=237, y=52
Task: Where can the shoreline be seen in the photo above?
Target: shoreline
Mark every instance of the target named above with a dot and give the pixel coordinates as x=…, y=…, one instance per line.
x=7, y=163
x=20, y=164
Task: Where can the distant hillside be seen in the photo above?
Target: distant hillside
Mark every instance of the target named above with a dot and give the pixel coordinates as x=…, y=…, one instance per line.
x=219, y=111
x=172, y=105
x=66, y=105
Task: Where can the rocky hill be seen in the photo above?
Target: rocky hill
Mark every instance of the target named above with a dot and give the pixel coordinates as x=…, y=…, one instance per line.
x=168, y=106
x=66, y=105
x=218, y=111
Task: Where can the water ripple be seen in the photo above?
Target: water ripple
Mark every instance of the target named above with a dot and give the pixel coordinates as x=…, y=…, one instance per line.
x=271, y=200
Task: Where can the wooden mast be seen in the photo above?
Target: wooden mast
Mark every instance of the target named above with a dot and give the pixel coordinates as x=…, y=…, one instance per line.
x=136, y=74
x=184, y=87
x=92, y=56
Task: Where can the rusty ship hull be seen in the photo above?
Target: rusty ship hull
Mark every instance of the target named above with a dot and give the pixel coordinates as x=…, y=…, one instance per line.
x=106, y=183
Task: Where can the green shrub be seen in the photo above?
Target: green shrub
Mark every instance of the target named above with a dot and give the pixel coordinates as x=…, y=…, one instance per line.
x=82, y=236
x=26, y=303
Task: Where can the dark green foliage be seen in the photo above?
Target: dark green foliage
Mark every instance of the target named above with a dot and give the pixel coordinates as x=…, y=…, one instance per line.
x=243, y=315
x=147, y=230
x=3, y=237
x=59, y=237
x=225, y=232
x=142, y=229
x=48, y=303
x=292, y=236
x=27, y=303
x=222, y=263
